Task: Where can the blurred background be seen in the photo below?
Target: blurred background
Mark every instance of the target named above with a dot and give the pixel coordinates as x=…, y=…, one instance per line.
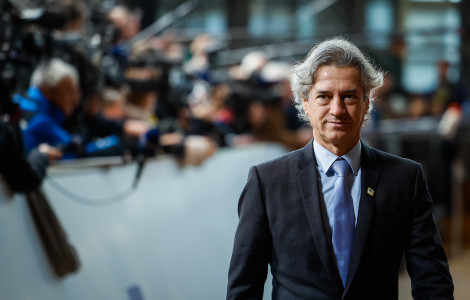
x=128, y=185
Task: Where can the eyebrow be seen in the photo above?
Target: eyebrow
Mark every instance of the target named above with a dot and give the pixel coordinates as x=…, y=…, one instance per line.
x=350, y=91
x=343, y=92
x=323, y=92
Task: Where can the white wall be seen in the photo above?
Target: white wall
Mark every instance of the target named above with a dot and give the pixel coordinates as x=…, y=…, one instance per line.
x=171, y=239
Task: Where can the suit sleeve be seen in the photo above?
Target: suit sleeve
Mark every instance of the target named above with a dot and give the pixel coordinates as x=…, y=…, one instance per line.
x=425, y=257
x=252, y=245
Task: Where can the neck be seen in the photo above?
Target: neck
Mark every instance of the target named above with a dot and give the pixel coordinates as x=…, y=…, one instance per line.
x=337, y=149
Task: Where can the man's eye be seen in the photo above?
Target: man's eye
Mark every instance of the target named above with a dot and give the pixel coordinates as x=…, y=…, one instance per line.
x=350, y=98
x=323, y=99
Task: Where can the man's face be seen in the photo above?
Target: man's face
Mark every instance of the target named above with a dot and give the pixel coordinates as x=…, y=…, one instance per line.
x=336, y=107
x=66, y=95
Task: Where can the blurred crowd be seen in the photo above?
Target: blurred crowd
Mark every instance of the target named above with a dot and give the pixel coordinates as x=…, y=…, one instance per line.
x=397, y=102
x=150, y=96
x=105, y=89
x=436, y=147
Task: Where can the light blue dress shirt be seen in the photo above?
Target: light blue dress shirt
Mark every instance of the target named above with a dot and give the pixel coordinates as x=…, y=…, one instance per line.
x=324, y=161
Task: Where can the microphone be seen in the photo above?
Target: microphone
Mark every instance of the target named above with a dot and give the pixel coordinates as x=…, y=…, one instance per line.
x=140, y=166
x=150, y=142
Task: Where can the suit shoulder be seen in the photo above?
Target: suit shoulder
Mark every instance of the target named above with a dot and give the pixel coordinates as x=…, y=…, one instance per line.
x=388, y=159
x=284, y=162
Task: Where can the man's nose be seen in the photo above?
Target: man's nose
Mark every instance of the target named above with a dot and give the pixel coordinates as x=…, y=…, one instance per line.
x=337, y=106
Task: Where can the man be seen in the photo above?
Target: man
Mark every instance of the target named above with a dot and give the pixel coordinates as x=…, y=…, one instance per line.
x=334, y=219
x=52, y=98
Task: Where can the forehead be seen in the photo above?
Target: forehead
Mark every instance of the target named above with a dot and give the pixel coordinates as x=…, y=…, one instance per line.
x=329, y=76
x=67, y=86
x=67, y=82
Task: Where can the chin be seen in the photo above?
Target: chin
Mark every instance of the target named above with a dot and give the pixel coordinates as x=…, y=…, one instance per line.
x=338, y=136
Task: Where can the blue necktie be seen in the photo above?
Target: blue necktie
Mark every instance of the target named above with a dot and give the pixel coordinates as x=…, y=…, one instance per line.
x=344, y=224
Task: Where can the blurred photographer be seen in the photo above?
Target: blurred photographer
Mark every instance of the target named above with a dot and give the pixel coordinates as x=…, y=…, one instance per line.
x=52, y=98
x=147, y=78
x=126, y=21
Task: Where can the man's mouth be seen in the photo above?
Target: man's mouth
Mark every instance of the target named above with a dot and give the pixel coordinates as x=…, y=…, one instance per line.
x=337, y=122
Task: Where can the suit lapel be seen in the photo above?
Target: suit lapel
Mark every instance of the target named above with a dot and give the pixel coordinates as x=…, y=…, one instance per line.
x=370, y=174
x=307, y=180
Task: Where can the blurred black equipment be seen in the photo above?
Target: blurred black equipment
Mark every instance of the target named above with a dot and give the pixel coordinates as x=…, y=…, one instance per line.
x=50, y=19
x=149, y=146
x=25, y=36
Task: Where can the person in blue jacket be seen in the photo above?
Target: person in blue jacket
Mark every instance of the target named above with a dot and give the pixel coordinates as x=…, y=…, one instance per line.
x=53, y=97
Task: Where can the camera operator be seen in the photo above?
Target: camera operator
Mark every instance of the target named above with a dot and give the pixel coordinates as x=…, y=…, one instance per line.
x=52, y=98
x=147, y=78
x=126, y=21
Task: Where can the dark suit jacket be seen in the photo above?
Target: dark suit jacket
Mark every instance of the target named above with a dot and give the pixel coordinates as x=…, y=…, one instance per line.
x=282, y=224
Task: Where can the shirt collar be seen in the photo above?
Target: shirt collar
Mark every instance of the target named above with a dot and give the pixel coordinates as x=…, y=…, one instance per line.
x=325, y=158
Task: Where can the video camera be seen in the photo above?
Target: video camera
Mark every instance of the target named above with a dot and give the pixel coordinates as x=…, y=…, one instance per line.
x=24, y=40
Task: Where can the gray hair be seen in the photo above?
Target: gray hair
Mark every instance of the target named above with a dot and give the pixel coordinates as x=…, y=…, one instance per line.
x=111, y=96
x=334, y=52
x=51, y=72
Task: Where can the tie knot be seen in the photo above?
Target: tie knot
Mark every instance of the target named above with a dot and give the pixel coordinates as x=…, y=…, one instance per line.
x=341, y=167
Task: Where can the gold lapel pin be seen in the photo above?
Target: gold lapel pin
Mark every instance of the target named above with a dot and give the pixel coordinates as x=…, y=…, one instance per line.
x=370, y=191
